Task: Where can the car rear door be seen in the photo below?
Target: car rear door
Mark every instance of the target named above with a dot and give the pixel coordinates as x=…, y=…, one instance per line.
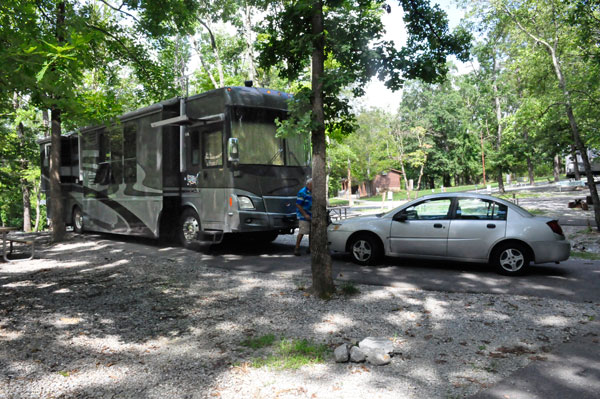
x=422, y=229
x=477, y=225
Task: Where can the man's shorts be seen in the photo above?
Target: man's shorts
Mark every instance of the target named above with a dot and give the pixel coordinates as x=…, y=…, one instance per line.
x=304, y=226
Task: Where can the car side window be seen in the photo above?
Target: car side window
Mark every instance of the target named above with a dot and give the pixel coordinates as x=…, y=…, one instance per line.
x=480, y=209
x=429, y=210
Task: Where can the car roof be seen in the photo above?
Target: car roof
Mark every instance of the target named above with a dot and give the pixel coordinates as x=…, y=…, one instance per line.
x=462, y=194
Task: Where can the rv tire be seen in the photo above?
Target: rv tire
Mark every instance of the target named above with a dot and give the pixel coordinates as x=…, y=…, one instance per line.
x=189, y=229
x=77, y=220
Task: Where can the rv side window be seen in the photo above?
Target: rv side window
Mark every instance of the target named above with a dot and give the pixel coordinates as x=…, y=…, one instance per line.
x=213, y=148
x=116, y=154
x=195, y=147
x=129, y=153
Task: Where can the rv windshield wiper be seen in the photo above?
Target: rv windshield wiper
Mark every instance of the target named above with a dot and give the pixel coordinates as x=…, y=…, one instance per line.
x=294, y=155
x=279, y=151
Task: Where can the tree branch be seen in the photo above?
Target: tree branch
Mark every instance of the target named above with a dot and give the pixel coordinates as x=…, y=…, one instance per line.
x=120, y=10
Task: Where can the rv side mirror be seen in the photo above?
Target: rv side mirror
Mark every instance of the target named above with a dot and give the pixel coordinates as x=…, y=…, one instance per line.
x=233, y=151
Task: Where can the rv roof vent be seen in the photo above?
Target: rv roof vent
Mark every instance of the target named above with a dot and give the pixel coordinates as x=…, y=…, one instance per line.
x=248, y=83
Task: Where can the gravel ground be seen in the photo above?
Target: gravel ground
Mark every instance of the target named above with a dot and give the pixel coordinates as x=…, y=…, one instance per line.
x=94, y=321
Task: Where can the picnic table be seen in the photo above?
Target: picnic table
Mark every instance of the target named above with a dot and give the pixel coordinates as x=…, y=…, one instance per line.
x=5, y=238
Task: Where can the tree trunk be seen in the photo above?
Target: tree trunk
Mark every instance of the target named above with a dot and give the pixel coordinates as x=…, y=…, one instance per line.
x=249, y=41
x=38, y=194
x=56, y=201
x=26, y=205
x=556, y=168
x=24, y=164
x=322, y=278
x=499, y=123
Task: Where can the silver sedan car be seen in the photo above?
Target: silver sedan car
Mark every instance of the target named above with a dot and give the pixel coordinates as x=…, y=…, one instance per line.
x=454, y=226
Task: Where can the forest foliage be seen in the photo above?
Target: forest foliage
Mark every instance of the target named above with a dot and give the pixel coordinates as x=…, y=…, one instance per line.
x=506, y=111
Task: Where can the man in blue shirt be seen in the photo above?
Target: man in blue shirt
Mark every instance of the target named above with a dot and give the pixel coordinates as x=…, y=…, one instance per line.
x=303, y=212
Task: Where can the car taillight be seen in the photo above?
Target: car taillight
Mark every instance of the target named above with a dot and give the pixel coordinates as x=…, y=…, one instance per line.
x=555, y=227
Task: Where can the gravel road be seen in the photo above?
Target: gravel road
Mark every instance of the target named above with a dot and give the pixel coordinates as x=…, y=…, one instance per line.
x=95, y=320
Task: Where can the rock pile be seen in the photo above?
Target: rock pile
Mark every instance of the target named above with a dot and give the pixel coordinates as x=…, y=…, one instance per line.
x=375, y=350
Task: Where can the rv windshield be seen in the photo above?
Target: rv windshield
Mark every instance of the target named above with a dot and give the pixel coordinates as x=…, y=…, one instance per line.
x=258, y=145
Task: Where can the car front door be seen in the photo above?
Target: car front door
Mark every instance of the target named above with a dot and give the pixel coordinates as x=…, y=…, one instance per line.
x=478, y=224
x=422, y=229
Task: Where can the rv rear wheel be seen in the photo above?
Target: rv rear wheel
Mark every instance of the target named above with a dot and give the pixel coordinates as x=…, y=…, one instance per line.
x=77, y=220
x=189, y=228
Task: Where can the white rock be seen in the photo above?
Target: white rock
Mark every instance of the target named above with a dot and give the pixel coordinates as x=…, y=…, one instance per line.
x=357, y=355
x=341, y=354
x=376, y=344
x=379, y=358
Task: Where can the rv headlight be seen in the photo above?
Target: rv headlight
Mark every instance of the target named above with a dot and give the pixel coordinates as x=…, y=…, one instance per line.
x=245, y=202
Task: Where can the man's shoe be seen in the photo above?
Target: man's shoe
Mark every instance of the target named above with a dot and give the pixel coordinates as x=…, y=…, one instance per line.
x=308, y=251
x=297, y=252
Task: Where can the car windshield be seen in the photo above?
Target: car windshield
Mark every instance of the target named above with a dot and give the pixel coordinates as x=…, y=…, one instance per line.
x=256, y=131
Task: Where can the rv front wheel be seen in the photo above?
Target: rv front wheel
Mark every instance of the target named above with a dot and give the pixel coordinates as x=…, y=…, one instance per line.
x=189, y=228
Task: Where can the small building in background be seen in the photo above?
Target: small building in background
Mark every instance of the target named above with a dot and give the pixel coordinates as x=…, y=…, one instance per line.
x=385, y=181
x=388, y=181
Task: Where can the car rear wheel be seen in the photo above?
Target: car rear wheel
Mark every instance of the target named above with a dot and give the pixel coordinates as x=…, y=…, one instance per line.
x=511, y=259
x=365, y=250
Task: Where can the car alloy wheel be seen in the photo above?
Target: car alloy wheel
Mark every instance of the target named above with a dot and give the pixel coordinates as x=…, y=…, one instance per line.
x=512, y=260
x=365, y=249
x=362, y=250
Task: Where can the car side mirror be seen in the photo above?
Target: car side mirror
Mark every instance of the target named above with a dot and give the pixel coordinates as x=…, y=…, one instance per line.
x=400, y=217
x=233, y=151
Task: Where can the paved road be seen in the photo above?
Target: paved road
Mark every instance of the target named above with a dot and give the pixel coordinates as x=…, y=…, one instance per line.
x=574, y=280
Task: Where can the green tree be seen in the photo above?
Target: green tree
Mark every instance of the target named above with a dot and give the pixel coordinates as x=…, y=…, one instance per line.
x=48, y=46
x=347, y=37
x=546, y=24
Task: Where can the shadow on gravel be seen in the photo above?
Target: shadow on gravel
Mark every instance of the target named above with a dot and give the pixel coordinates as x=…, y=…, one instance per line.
x=96, y=318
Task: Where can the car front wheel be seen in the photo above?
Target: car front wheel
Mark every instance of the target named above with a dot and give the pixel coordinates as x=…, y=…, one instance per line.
x=365, y=250
x=511, y=259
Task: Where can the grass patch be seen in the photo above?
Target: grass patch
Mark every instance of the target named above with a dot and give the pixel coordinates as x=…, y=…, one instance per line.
x=338, y=202
x=536, y=211
x=402, y=195
x=585, y=255
x=348, y=288
x=259, y=342
x=291, y=354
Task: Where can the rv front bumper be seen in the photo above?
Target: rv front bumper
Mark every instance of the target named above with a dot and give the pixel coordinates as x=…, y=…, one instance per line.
x=262, y=221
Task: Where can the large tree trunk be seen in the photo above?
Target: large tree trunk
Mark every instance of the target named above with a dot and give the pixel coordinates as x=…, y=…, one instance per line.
x=56, y=201
x=322, y=277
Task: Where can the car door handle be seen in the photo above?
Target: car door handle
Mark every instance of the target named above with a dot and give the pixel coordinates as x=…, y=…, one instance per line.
x=491, y=226
x=438, y=226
